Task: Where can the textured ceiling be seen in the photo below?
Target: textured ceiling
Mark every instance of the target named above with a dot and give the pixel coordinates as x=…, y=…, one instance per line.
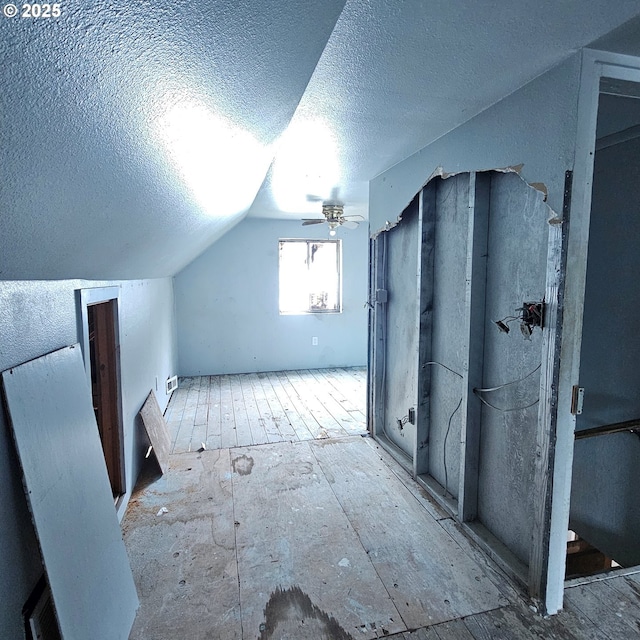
x=395, y=76
x=134, y=134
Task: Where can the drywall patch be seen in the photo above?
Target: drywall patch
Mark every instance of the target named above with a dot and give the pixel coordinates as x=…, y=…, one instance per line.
x=441, y=173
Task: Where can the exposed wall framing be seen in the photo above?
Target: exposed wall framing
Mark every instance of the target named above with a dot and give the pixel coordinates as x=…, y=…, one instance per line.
x=476, y=246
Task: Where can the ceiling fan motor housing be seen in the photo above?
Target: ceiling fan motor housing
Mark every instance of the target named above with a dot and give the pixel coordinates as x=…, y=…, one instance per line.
x=333, y=211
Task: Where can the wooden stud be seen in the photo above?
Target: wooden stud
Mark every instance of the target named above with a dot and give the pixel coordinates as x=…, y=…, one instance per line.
x=539, y=556
x=426, y=254
x=476, y=281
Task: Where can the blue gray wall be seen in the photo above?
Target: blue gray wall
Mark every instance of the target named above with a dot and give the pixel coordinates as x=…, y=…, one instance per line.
x=227, y=306
x=38, y=317
x=535, y=126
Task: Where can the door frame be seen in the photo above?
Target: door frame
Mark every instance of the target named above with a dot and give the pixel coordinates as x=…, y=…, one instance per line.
x=595, y=65
x=84, y=299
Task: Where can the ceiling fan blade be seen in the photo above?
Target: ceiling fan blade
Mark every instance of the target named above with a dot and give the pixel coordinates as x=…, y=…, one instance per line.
x=354, y=215
x=350, y=224
x=314, y=221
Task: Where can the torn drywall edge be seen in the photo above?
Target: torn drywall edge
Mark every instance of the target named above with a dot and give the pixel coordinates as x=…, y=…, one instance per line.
x=441, y=173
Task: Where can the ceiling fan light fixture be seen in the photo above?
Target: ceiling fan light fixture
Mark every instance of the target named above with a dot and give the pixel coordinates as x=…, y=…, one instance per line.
x=333, y=215
x=333, y=212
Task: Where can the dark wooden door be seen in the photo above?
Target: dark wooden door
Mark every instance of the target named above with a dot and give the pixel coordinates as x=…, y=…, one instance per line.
x=104, y=388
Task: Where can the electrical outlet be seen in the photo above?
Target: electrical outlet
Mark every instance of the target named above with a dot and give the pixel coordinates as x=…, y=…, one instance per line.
x=314, y=341
x=533, y=314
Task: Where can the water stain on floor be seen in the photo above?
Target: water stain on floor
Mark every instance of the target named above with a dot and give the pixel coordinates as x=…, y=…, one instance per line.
x=242, y=465
x=290, y=615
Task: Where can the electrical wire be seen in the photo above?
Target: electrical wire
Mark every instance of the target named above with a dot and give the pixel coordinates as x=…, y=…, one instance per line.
x=446, y=435
x=444, y=366
x=505, y=410
x=506, y=384
x=477, y=392
x=444, y=448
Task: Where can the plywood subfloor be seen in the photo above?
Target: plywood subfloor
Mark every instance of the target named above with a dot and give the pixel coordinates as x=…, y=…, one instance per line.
x=323, y=539
x=258, y=408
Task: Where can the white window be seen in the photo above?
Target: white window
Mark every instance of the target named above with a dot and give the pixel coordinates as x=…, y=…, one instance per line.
x=310, y=276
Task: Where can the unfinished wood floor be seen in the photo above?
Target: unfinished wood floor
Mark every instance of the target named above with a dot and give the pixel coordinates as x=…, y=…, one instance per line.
x=258, y=408
x=328, y=539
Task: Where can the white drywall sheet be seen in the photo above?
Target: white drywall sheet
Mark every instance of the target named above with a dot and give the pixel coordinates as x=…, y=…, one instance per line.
x=65, y=478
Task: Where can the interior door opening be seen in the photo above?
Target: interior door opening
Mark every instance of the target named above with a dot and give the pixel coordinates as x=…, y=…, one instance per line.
x=103, y=355
x=605, y=506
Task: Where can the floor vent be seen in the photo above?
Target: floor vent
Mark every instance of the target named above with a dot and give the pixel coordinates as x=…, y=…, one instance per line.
x=172, y=383
x=40, y=615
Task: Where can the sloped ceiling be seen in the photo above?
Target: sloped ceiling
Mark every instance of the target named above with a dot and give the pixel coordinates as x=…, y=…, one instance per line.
x=134, y=134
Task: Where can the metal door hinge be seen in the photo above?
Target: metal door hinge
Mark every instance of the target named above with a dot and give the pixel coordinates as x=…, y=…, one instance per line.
x=577, y=398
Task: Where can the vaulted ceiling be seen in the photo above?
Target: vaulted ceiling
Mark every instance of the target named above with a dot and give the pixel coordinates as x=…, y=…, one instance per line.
x=134, y=134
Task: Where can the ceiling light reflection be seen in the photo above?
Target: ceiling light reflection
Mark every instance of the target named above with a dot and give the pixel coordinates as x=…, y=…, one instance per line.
x=222, y=164
x=306, y=166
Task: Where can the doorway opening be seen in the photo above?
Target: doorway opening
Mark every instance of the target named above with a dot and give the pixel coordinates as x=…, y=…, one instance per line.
x=101, y=349
x=104, y=389
x=604, y=505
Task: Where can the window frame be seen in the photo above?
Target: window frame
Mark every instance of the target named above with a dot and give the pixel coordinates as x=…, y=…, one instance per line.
x=308, y=242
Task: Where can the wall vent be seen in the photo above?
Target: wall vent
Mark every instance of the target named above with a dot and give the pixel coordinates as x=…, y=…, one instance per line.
x=40, y=615
x=171, y=384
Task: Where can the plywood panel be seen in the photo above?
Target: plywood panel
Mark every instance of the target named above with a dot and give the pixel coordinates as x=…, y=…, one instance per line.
x=428, y=575
x=297, y=551
x=448, y=341
x=156, y=429
x=402, y=334
x=184, y=561
x=56, y=435
x=516, y=272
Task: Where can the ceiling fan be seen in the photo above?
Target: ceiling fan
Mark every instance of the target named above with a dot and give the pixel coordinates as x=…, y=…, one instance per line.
x=334, y=217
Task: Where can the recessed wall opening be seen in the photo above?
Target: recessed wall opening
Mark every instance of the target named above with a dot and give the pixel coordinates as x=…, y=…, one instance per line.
x=104, y=388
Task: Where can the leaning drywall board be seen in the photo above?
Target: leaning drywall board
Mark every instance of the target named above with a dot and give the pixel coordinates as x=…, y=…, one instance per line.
x=156, y=428
x=66, y=483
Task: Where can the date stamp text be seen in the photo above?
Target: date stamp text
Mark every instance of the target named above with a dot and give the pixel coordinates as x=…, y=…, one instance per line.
x=32, y=10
